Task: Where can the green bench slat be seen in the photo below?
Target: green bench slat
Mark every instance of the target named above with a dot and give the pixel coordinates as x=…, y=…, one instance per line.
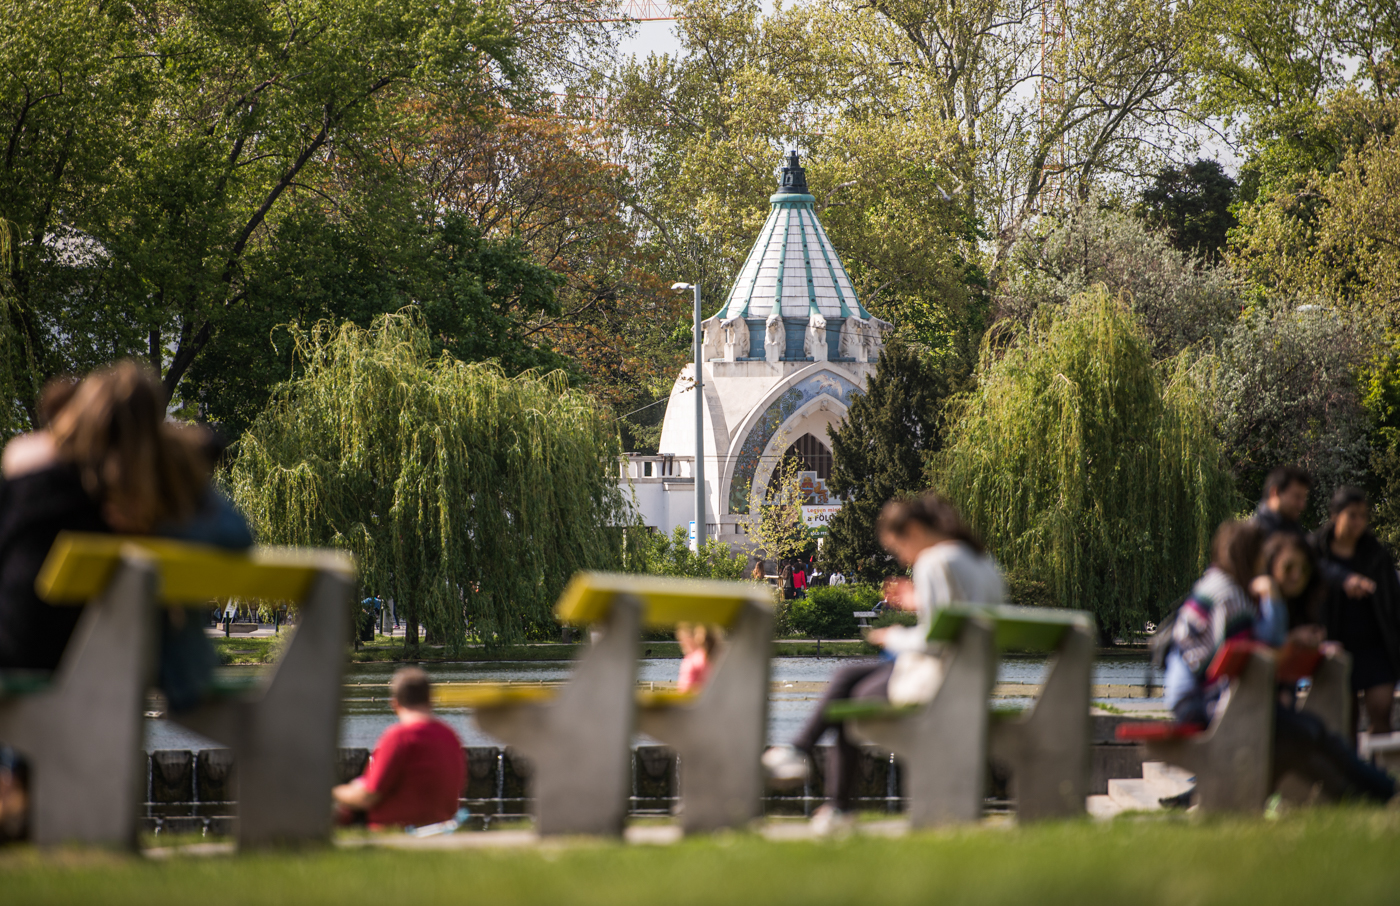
x=1016, y=628
x=864, y=709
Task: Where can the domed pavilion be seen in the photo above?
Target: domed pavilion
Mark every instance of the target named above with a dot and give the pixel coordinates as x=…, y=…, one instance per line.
x=783, y=358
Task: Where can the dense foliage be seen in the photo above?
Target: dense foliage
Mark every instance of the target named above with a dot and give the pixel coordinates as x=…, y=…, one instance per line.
x=467, y=496
x=879, y=453
x=825, y=613
x=1085, y=464
x=193, y=184
x=650, y=551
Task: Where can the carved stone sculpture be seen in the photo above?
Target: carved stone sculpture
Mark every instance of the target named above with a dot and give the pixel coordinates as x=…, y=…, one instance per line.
x=736, y=338
x=852, y=341
x=774, y=339
x=712, y=331
x=814, y=343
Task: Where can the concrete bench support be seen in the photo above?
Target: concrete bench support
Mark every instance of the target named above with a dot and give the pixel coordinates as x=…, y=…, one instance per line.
x=579, y=743
x=1232, y=759
x=284, y=732
x=943, y=744
x=720, y=736
x=1047, y=749
x=1330, y=697
x=83, y=734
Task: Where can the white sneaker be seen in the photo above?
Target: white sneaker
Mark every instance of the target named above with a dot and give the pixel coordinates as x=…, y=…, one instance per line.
x=830, y=821
x=786, y=766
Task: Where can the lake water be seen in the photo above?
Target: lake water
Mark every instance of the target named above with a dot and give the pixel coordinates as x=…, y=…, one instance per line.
x=367, y=712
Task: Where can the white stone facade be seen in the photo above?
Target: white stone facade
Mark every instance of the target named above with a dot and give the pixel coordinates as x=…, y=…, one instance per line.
x=784, y=357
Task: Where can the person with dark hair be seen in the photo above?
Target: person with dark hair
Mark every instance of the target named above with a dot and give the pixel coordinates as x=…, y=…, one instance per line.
x=1232, y=601
x=949, y=565
x=1368, y=626
x=1291, y=563
x=1218, y=608
x=1285, y=500
x=416, y=773
x=107, y=460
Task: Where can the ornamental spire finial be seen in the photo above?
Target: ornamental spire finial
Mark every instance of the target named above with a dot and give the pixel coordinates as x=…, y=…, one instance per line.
x=794, y=178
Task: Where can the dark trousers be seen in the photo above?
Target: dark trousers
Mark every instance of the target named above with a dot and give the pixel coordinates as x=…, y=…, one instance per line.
x=1303, y=746
x=869, y=679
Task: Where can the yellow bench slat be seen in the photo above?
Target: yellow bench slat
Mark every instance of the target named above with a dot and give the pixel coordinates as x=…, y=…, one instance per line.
x=489, y=695
x=665, y=698
x=80, y=566
x=665, y=601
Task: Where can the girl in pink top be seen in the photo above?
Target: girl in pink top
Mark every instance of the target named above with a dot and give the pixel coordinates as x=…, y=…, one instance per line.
x=698, y=647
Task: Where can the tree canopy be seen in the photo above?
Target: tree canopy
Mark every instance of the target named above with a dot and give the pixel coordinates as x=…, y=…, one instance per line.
x=880, y=452
x=1089, y=467
x=468, y=496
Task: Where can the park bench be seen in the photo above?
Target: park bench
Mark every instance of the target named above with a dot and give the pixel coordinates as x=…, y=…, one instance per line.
x=863, y=617
x=719, y=732
x=1232, y=758
x=578, y=737
x=944, y=744
x=82, y=727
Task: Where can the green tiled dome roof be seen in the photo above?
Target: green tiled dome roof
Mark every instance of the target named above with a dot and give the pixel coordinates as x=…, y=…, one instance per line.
x=792, y=268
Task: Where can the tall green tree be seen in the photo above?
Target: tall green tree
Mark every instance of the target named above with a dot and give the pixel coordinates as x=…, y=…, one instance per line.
x=1089, y=467
x=468, y=496
x=1192, y=203
x=147, y=150
x=477, y=294
x=879, y=452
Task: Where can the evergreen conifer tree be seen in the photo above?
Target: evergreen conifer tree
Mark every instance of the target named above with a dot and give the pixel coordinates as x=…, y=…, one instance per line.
x=878, y=454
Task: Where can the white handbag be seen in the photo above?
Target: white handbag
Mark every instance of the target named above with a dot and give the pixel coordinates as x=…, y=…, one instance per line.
x=915, y=678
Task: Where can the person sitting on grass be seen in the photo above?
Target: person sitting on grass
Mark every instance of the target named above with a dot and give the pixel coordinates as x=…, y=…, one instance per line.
x=1232, y=600
x=416, y=773
x=698, y=643
x=949, y=566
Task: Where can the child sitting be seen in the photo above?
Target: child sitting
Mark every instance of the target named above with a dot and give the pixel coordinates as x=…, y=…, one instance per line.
x=698, y=649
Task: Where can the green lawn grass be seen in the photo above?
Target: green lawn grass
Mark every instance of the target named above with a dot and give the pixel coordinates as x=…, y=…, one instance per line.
x=1333, y=857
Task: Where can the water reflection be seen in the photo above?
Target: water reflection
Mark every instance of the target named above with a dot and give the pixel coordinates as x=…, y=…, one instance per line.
x=367, y=711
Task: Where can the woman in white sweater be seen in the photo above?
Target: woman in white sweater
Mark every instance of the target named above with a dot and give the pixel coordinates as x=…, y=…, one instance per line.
x=949, y=565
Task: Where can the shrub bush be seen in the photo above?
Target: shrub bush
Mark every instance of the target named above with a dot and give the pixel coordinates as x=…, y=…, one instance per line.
x=866, y=596
x=895, y=618
x=826, y=613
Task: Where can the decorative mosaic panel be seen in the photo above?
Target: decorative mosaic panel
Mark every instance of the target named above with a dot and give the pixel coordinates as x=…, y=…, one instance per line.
x=751, y=450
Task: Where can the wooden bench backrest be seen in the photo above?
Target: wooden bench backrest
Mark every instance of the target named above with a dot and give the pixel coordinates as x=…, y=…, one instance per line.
x=665, y=602
x=1016, y=628
x=80, y=566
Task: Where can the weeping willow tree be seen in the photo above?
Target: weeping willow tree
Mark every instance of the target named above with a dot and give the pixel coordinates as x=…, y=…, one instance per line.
x=18, y=376
x=1089, y=467
x=467, y=496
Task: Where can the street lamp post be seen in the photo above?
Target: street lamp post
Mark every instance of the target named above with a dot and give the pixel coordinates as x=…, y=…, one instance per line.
x=699, y=418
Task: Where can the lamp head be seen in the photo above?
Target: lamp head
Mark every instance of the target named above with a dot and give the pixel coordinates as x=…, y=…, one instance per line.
x=681, y=286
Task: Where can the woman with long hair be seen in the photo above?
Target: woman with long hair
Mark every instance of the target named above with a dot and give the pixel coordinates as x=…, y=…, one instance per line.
x=949, y=565
x=107, y=460
x=1237, y=599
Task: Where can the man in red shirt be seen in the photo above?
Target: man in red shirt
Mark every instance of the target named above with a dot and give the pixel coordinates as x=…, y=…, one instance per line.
x=416, y=772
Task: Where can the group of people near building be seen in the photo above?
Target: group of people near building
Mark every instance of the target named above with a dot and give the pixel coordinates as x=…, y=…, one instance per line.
x=796, y=575
x=1267, y=581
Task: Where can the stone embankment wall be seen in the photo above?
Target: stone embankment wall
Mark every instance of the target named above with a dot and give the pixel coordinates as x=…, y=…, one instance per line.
x=192, y=792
